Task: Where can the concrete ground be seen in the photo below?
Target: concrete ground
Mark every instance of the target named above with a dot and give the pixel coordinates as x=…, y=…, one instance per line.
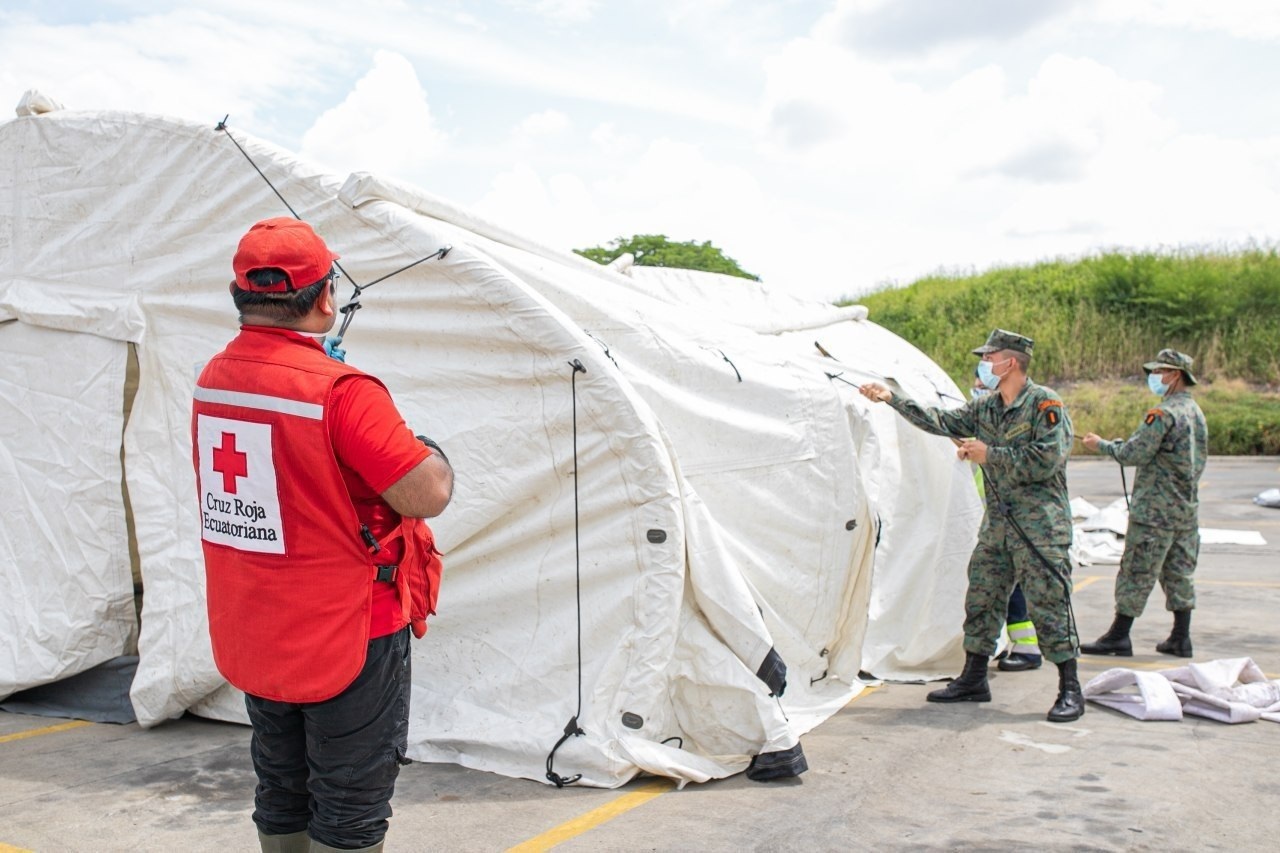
x=890, y=771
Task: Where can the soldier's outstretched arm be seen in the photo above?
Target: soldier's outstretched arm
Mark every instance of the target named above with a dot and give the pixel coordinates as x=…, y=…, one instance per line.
x=1144, y=444
x=953, y=423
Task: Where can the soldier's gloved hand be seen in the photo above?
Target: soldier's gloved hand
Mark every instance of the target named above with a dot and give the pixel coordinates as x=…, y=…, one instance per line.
x=334, y=351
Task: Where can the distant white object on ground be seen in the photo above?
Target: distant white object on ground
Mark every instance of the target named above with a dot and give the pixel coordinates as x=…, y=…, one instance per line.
x=1271, y=497
x=1099, y=535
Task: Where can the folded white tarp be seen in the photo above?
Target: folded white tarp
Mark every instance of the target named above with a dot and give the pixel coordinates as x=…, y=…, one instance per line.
x=1233, y=690
x=737, y=503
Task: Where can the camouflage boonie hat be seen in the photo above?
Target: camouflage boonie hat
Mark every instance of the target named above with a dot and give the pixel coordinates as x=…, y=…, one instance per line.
x=1176, y=360
x=1001, y=340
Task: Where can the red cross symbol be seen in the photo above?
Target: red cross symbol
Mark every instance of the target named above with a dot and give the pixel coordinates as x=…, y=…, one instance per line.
x=230, y=463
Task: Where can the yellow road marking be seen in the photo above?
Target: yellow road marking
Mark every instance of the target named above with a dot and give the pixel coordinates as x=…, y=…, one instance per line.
x=866, y=691
x=602, y=815
x=595, y=817
x=1081, y=583
x=5, y=848
x=47, y=730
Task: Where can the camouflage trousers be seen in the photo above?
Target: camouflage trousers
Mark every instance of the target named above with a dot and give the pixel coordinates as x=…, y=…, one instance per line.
x=993, y=570
x=1154, y=553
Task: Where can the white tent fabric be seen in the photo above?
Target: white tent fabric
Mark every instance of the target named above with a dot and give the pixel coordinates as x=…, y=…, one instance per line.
x=63, y=508
x=734, y=502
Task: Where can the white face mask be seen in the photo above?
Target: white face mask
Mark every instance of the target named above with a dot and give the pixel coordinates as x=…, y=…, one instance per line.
x=986, y=373
x=1156, y=385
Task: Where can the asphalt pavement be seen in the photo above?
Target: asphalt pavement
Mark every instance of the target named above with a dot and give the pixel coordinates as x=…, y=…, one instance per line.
x=890, y=771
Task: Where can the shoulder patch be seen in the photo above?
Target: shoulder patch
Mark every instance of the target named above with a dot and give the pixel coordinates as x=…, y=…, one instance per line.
x=1152, y=414
x=1051, y=411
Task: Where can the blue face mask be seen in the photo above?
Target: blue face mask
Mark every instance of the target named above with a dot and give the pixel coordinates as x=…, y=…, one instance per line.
x=987, y=376
x=1156, y=385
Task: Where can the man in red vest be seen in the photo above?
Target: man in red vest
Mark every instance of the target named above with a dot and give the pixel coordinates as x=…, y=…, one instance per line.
x=318, y=563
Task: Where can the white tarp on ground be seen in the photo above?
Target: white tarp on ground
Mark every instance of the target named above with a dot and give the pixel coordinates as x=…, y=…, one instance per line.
x=1099, y=533
x=729, y=492
x=1230, y=690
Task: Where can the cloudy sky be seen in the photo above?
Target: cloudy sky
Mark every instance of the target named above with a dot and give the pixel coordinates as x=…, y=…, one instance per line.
x=830, y=147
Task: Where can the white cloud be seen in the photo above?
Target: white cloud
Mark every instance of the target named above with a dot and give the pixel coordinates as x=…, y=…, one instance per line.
x=384, y=125
x=833, y=147
x=1257, y=20
x=544, y=124
x=913, y=27
x=185, y=63
x=556, y=211
x=561, y=11
x=671, y=188
x=613, y=143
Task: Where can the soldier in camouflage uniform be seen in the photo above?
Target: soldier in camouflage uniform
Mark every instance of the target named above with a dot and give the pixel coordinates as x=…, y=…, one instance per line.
x=1021, y=437
x=1163, y=538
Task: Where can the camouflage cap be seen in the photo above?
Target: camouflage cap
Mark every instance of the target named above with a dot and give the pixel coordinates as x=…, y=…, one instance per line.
x=1176, y=360
x=1002, y=340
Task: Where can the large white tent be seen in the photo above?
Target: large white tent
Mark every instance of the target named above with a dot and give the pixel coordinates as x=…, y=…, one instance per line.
x=642, y=545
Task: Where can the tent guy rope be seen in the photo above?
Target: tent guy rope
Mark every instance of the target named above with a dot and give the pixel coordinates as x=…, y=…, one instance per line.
x=348, y=311
x=571, y=728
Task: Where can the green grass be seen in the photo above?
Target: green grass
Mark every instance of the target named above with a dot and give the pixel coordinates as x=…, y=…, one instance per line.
x=1096, y=320
x=1101, y=317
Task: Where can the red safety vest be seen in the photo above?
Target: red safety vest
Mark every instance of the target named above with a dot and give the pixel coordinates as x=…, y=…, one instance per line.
x=289, y=573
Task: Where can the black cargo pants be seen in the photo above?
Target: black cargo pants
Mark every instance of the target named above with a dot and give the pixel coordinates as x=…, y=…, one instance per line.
x=330, y=767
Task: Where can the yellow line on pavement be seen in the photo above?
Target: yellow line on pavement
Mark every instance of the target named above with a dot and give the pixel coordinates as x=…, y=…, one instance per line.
x=47, y=730
x=1080, y=583
x=866, y=691
x=595, y=817
x=6, y=848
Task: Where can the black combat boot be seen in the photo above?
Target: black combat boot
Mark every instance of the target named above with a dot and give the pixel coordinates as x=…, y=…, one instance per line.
x=1070, y=704
x=1179, y=642
x=971, y=686
x=1114, y=642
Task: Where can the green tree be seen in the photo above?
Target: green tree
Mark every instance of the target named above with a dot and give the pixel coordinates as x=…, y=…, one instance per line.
x=655, y=250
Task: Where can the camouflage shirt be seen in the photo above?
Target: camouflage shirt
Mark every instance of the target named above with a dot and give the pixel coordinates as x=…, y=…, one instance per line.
x=1169, y=448
x=1028, y=443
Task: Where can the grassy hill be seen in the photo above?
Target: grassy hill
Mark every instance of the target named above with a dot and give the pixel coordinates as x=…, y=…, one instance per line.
x=1096, y=320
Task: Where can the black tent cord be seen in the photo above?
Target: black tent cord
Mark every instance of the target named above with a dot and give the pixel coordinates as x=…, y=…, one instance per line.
x=1004, y=510
x=1124, y=483
x=571, y=728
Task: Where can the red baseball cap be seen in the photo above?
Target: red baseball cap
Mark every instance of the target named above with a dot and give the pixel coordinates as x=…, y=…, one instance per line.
x=285, y=244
